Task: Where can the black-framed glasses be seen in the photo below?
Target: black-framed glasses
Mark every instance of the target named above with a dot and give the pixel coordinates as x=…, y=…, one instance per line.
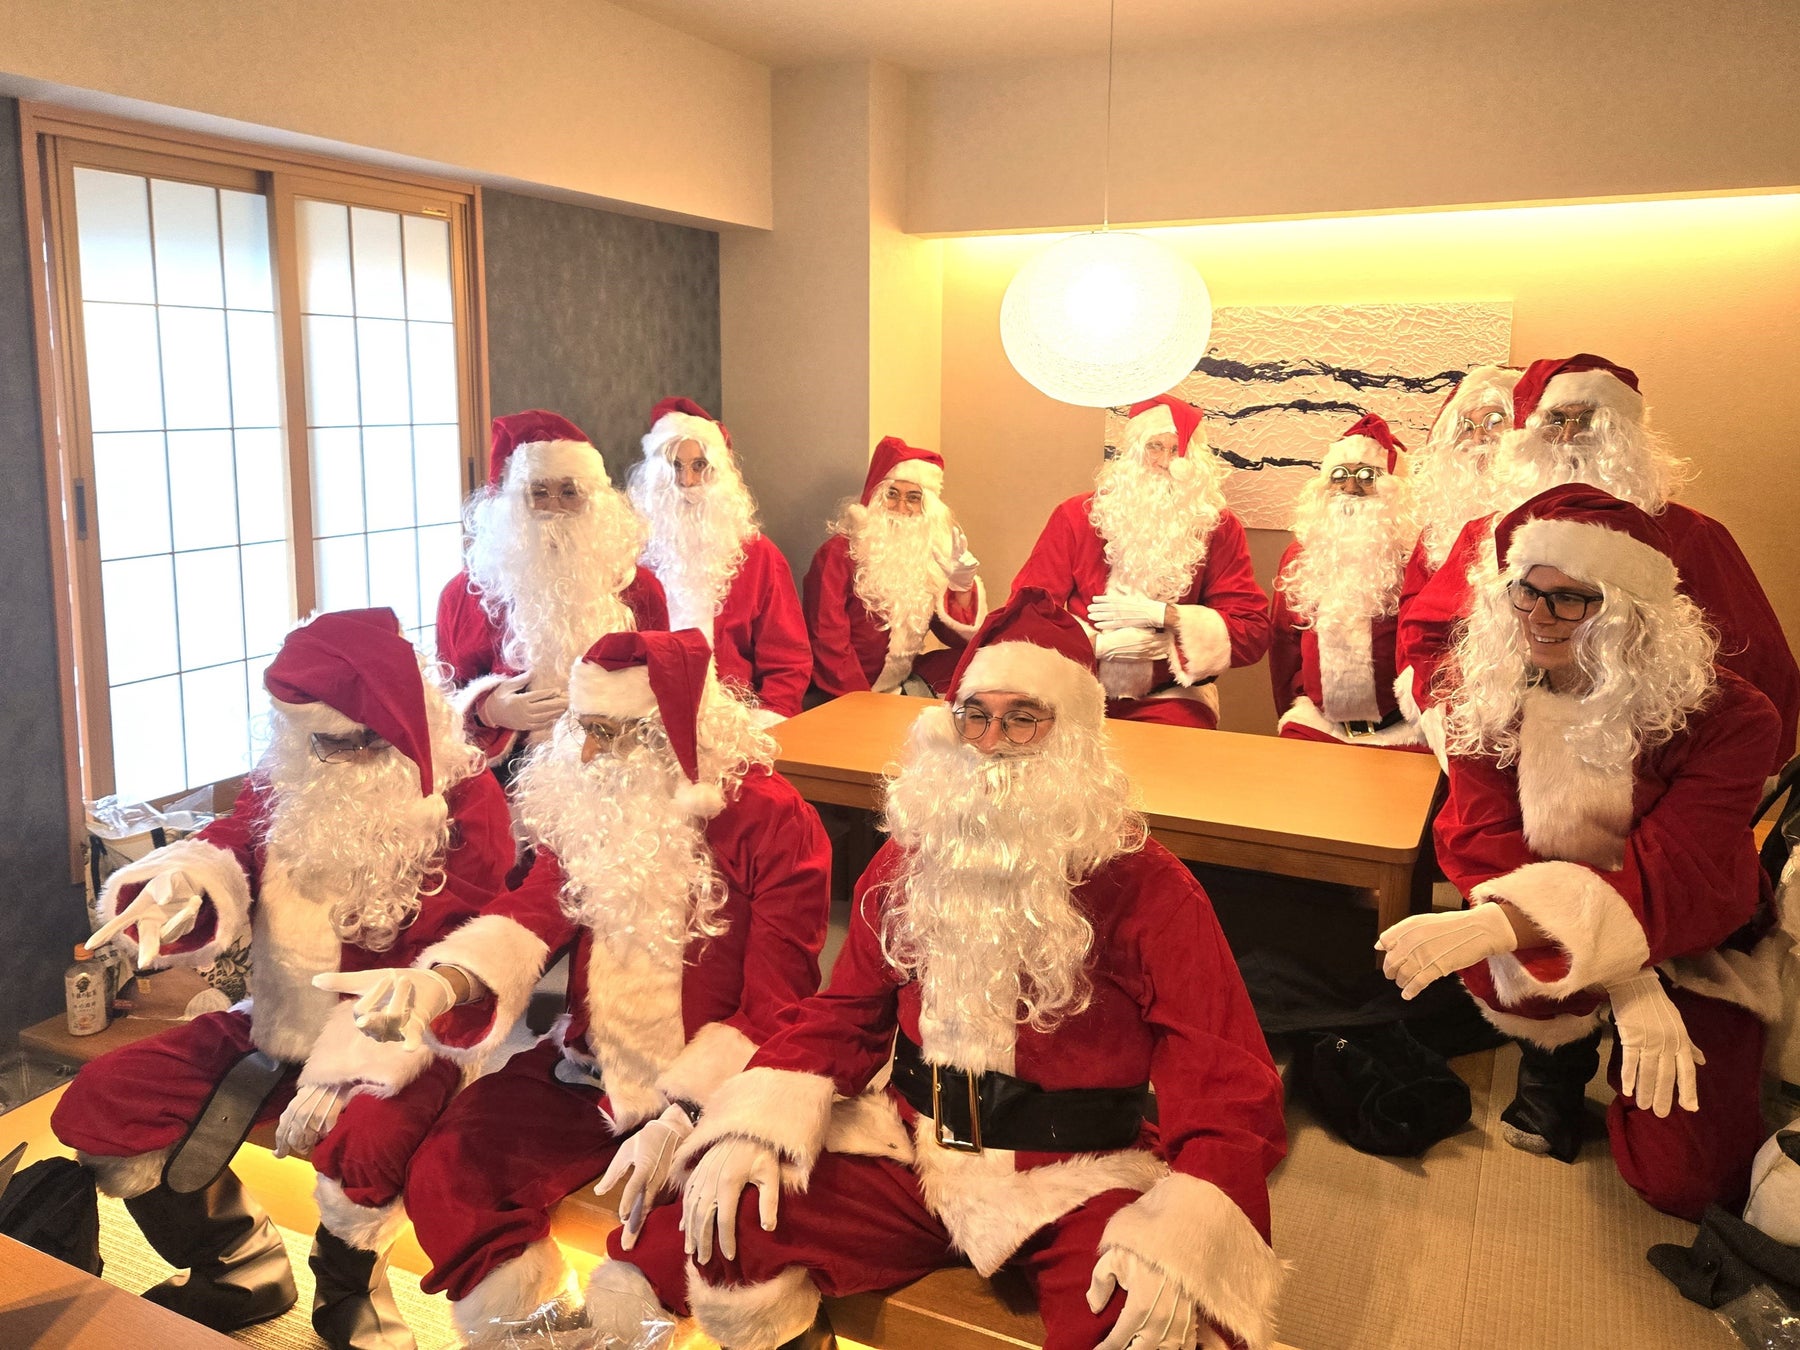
x=1362, y=473
x=330, y=749
x=1568, y=606
x=1018, y=726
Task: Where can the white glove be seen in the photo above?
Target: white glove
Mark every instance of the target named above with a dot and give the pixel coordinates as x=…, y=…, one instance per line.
x=163, y=911
x=1158, y=1313
x=710, y=1200
x=394, y=1005
x=513, y=707
x=959, y=565
x=1138, y=644
x=1125, y=609
x=1656, y=1056
x=310, y=1116
x=645, y=1162
x=1428, y=946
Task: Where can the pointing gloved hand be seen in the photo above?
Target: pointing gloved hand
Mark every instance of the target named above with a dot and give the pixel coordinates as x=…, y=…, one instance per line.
x=163, y=911
x=397, y=1004
x=511, y=706
x=959, y=565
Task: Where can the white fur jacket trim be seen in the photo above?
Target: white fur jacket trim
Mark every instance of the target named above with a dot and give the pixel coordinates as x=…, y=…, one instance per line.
x=1586, y=917
x=344, y=1055
x=1200, y=646
x=787, y=1110
x=1306, y=713
x=1548, y=1032
x=505, y=956
x=714, y=1053
x=464, y=701
x=1192, y=1230
x=212, y=870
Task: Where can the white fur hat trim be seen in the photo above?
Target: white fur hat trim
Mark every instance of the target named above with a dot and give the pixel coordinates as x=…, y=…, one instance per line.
x=317, y=717
x=554, y=460
x=595, y=691
x=1601, y=388
x=1594, y=554
x=921, y=471
x=1043, y=674
x=674, y=427
x=1354, y=450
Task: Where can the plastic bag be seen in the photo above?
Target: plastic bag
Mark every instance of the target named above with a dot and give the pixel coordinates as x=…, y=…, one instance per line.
x=548, y=1329
x=1761, y=1321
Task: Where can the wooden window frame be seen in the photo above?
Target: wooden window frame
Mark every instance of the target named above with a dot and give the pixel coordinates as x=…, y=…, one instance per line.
x=54, y=141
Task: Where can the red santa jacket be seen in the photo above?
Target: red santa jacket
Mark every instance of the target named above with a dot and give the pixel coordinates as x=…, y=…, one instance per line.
x=1224, y=615
x=1714, y=574
x=251, y=892
x=1657, y=867
x=1168, y=1007
x=469, y=642
x=665, y=1030
x=852, y=650
x=759, y=637
x=1320, y=684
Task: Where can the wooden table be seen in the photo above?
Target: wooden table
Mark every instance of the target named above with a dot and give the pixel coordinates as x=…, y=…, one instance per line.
x=1346, y=814
x=157, y=1004
x=49, y=1305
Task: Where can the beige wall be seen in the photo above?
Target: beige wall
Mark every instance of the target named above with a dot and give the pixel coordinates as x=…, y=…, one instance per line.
x=574, y=95
x=905, y=283
x=1702, y=298
x=1478, y=104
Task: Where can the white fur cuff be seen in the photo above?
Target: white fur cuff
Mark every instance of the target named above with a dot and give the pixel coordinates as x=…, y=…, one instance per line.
x=715, y=1053
x=965, y=631
x=1403, y=695
x=536, y=1276
x=124, y=1178
x=464, y=702
x=755, y=1316
x=1194, y=1231
x=1586, y=917
x=1549, y=1033
x=342, y=1054
x=505, y=956
x=787, y=1110
x=1201, y=644
x=370, y=1228
x=211, y=870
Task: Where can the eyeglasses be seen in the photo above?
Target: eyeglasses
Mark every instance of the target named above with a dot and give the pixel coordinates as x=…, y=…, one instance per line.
x=566, y=495
x=911, y=497
x=1568, y=606
x=1491, y=422
x=1567, y=423
x=1018, y=726
x=346, y=749
x=608, y=730
x=1364, y=474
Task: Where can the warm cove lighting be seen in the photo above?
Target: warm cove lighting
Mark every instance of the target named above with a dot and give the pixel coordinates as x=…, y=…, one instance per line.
x=1106, y=318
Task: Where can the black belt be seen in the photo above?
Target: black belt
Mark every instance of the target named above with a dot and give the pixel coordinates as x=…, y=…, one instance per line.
x=995, y=1110
x=1370, y=728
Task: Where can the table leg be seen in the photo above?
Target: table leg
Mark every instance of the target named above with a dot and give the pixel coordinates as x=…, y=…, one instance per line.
x=1394, y=895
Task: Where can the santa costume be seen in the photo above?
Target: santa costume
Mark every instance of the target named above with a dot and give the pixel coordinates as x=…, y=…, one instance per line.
x=323, y=867
x=885, y=582
x=721, y=574
x=1616, y=819
x=1619, y=456
x=538, y=588
x=1036, y=954
x=1337, y=592
x=690, y=884
x=1144, y=541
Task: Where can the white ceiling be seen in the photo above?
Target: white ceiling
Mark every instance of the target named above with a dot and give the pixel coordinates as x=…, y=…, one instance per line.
x=926, y=35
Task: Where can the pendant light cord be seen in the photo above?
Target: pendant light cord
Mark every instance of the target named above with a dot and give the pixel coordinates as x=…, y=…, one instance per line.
x=1112, y=9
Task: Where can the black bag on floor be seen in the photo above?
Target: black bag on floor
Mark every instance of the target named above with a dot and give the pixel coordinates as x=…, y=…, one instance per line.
x=53, y=1206
x=1728, y=1258
x=1378, y=1089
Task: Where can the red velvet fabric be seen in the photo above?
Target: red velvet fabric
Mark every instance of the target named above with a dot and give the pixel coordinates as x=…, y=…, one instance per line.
x=849, y=645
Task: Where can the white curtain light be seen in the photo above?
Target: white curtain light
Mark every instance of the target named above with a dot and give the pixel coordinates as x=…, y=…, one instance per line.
x=1106, y=318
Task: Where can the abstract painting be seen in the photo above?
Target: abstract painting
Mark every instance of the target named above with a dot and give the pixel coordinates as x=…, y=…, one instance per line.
x=1279, y=383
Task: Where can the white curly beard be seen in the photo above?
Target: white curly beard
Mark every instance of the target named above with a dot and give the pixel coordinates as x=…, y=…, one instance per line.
x=983, y=912
x=553, y=581
x=1450, y=487
x=1617, y=456
x=637, y=870
x=1156, y=526
x=697, y=537
x=1352, y=552
x=898, y=578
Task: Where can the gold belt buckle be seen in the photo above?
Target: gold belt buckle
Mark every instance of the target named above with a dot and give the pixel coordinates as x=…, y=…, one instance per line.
x=945, y=1136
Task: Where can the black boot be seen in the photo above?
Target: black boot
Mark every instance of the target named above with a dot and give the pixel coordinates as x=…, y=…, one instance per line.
x=353, y=1308
x=237, y=1271
x=1550, y=1110
x=818, y=1336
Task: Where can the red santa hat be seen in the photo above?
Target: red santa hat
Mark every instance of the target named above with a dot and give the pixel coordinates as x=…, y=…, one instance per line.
x=1031, y=645
x=1583, y=378
x=894, y=458
x=1162, y=414
x=552, y=447
x=633, y=674
x=1480, y=383
x=681, y=419
x=1368, y=441
x=1592, y=536
x=354, y=668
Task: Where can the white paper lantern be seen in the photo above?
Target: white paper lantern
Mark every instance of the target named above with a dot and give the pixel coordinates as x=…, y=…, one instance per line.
x=1107, y=318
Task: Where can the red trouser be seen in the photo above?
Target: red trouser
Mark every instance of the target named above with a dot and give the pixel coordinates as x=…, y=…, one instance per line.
x=483, y=1183
x=1173, y=711
x=144, y=1097
x=862, y=1224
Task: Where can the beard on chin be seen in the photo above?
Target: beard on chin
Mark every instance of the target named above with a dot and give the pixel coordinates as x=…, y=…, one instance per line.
x=1156, y=526
x=697, y=537
x=1619, y=457
x=898, y=578
x=554, y=580
x=983, y=912
x=1352, y=553
x=356, y=835
x=1450, y=488
x=637, y=870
